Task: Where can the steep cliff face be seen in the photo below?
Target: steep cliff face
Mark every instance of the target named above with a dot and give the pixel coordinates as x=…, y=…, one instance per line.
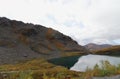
x=19, y=41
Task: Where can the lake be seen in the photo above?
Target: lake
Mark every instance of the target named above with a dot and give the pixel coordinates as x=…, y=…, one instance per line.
x=80, y=63
x=65, y=61
x=89, y=61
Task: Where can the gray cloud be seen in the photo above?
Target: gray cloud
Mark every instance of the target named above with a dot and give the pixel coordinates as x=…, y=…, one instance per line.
x=84, y=20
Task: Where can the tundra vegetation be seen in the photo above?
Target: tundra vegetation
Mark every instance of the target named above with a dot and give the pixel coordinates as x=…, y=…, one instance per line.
x=41, y=69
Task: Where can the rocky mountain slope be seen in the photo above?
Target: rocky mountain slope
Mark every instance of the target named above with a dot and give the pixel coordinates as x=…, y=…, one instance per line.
x=21, y=41
x=93, y=47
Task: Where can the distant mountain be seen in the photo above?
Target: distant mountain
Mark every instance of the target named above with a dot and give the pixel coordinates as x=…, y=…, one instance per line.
x=114, y=50
x=23, y=41
x=92, y=46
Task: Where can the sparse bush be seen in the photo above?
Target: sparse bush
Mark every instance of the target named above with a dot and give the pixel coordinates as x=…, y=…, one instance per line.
x=106, y=69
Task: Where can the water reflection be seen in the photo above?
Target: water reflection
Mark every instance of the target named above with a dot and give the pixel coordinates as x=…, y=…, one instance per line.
x=91, y=60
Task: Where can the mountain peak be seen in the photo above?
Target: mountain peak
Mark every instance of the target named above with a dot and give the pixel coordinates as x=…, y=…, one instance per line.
x=4, y=19
x=93, y=46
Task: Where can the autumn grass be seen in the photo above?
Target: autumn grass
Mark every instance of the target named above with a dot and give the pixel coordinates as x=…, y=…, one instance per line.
x=67, y=54
x=106, y=69
x=41, y=69
x=113, y=51
x=37, y=69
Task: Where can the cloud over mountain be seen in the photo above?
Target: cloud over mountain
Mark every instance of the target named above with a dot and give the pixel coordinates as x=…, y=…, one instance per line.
x=86, y=21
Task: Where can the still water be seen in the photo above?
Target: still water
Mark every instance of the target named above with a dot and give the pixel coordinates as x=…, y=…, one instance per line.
x=81, y=63
x=89, y=61
x=67, y=62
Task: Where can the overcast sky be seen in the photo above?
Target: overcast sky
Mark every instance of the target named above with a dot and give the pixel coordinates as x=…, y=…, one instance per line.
x=86, y=21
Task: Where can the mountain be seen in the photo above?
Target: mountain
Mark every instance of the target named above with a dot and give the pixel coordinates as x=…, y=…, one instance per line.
x=113, y=50
x=93, y=47
x=23, y=41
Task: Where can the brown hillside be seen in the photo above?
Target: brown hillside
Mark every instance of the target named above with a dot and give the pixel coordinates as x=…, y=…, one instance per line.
x=114, y=50
x=19, y=41
x=93, y=47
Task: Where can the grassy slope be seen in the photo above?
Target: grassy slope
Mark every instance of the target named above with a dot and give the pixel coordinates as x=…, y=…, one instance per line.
x=41, y=69
x=114, y=50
